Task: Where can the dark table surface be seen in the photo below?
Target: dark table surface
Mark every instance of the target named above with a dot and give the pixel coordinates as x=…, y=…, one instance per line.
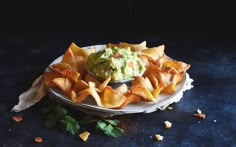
x=27, y=50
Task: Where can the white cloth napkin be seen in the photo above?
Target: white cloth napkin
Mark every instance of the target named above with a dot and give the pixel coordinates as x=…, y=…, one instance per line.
x=35, y=93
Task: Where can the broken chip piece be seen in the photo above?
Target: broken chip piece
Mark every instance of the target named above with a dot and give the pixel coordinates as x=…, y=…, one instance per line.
x=170, y=108
x=38, y=139
x=168, y=124
x=159, y=137
x=84, y=136
x=200, y=114
x=17, y=118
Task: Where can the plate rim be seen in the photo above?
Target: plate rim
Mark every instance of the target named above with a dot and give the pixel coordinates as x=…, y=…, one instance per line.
x=63, y=98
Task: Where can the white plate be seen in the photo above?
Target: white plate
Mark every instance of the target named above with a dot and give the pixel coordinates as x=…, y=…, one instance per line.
x=90, y=106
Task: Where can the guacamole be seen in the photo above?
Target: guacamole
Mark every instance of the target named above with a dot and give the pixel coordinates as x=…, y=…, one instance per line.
x=119, y=63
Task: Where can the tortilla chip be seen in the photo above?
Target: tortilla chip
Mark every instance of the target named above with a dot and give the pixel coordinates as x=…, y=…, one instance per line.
x=90, y=78
x=177, y=65
x=161, y=60
x=82, y=95
x=170, y=89
x=155, y=52
x=143, y=92
x=153, y=80
x=148, y=84
x=158, y=90
x=151, y=68
x=60, y=66
x=62, y=83
x=49, y=76
x=80, y=85
x=138, y=80
x=131, y=98
x=72, y=75
x=134, y=47
x=77, y=51
x=104, y=84
x=71, y=94
x=69, y=58
x=112, y=98
x=122, y=88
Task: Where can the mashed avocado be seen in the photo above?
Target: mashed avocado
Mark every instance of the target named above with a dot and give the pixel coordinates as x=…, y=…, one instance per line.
x=119, y=63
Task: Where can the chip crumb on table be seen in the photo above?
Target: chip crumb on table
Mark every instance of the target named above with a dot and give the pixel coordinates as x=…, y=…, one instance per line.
x=38, y=139
x=170, y=108
x=159, y=137
x=84, y=136
x=17, y=118
x=168, y=124
x=199, y=114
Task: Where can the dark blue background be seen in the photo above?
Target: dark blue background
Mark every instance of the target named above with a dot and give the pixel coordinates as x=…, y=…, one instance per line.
x=33, y=34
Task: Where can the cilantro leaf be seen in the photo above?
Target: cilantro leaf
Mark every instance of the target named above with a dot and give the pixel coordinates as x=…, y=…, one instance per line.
x=57, y=116
x=110, y=128
x=112, y=122
x=117, y=132
x=70, y=125
x=101, y=124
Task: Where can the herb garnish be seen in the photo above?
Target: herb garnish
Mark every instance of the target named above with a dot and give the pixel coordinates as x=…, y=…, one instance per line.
x=56, y=116
x=109, y=127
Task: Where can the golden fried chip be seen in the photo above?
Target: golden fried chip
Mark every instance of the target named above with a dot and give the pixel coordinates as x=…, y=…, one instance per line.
x=59, y=66
x=134, y=47
x=172, y=83
x=138, y=80
x=122, y=88
x=153, y=80
x=164, y=77
x=49, y=76
x=81, y=61
x=72, y=75
x=77, y=51
x=90, y=78
x=177, y=78
x=170, y=89
x=112, y=45
x=175, y=66
x=80, y=85
x=148, y=84
x=144, y=82
x=112, y=98
x=71, y=94
x=155, y=52
x=161, y=60
x=131, y=98
x=151, y=68
x=66, y=70
x=76, y=57
x=104, y=84
x=89, y=51
x=144, y=58
x=62, y=83
x=82, y=95
x=158, y=90
x=69, y=58
x=143, y=92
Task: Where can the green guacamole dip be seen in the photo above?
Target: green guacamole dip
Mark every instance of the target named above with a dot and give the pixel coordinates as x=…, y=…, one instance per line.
x=119, y=63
